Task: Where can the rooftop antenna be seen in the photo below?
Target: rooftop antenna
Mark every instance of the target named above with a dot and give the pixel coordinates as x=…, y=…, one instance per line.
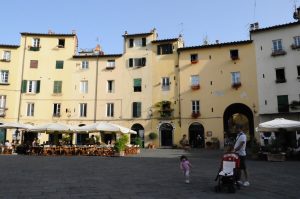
x=254, y=12
x=181, y=29
x=296, y=14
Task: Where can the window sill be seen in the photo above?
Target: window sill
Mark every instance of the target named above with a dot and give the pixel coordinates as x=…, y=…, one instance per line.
x=278, y=53
x=4, y=83
x=279, y=81
x=5, y=60
x=56, y=94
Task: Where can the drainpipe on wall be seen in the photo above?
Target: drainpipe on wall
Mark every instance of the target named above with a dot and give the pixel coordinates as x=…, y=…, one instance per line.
x=96, y=89
x=179, y=97
x=22, y=74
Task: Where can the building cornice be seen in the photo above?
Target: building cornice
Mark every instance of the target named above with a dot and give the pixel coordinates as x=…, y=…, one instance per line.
x=275, y=27
x=47, y=34
x=215, y=45
x=8, y=46
x=96, y=56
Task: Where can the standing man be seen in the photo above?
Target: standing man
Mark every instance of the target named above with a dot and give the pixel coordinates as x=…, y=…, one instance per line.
x=240, y=148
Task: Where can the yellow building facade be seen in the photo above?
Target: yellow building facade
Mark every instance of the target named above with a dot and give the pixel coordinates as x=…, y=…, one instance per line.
x=155, y=85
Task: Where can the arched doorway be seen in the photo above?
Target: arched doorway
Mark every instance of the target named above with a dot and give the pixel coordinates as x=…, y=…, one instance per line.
x=196, y=135
x=140, y=133
x=238, y=114
x=166, y=135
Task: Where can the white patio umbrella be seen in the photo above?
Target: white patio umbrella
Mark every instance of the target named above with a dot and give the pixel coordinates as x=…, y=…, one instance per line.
x=104, y=126
x=98, y=126
x=15, y=125
x=279, y=123
x=52, y=127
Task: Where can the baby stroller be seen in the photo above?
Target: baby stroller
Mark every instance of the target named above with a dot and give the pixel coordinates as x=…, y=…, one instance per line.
x=228, y=173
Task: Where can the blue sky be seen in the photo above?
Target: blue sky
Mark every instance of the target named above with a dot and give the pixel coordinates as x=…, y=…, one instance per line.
x=105, y=21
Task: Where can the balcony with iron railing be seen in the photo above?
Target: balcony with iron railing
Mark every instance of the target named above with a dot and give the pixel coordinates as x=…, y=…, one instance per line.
x=278, y=52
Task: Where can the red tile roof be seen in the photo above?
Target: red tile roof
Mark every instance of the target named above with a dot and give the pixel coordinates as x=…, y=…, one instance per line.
x=215, y=45
x=276, y=27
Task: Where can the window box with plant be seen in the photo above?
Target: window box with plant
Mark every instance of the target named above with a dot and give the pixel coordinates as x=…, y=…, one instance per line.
x=278, y=52
x=34, y=48
x=194, y=58
x=195, y=86
x=195, y=114
x=236, y=85
x=164, y=108
x=295, y=46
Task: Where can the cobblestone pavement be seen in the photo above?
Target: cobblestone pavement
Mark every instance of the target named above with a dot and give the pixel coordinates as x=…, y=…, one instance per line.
x=151, y=174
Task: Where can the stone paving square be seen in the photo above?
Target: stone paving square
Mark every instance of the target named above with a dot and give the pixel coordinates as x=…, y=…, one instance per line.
x=153, y=174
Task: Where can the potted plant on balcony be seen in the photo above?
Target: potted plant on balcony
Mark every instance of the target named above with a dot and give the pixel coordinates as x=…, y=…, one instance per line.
x=195, y=114
x=164, y=108
x=152, y=137
x=120, y=145
x=236, y=85
x=195, y=86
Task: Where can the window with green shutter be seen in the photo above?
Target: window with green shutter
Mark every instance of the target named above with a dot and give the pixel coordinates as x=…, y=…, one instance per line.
x=283, y=103
x=137, y=85
x=24, y=86
x=59, y=64
x=57, y=86
x=136, y=109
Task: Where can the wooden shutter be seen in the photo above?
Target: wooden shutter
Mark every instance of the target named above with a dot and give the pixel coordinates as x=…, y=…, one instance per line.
x=38, y=85
x=143, y=41
x=130, y=62
x=144, y=61
x=24, y=86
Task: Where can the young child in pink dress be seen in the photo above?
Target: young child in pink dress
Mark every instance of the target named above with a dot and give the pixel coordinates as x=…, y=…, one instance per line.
x=185, y=166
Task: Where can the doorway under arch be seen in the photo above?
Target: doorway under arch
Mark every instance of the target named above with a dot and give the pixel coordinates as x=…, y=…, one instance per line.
x=140, y=133
x=196, y=135
x=238, y=114
x=166, y=135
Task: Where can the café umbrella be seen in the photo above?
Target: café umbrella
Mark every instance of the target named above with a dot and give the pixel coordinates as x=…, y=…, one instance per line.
x=53, y=127
x=15, y=125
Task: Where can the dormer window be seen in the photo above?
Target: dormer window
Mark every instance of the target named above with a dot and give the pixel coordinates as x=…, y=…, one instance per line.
x=61, y=43
x=164, y=49
x=194, y=58
x=138, y=42
x=234, y=54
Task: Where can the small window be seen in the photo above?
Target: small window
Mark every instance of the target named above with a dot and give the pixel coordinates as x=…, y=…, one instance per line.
x=277, y=45
x=195, y=80
x=4, y=76
x=137, y=85
x=164, y=49
x=235, y=77
x=59, y=64
x=84, y=86
x=110, y=86
x=144, y=41
x=2, y=103
x=57, y=87
x=194, y=58
x=56, y=110
x=6, y=55
x=30, y=109
x=283, y=103
x=234, y=54
x=36, y=42
x=61, y=43
x=111, y=64
x=131, y=43
x=195, y=106
x=136, y=109
x=165, y=83
x=297, y=41
x=298, y=70
x=109, y=109
x=280, y=75
x=85, y=64
x=34, y=63
x=83, y=109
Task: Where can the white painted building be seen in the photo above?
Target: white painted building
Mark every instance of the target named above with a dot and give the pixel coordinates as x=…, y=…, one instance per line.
x=278, y=70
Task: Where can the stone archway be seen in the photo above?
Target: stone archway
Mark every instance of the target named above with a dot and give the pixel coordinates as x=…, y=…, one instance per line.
x=238, y=114
x=166, y=135
x=140, y=133
x=196, y=135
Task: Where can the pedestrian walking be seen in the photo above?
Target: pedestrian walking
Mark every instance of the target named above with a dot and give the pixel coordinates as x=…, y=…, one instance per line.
x=240, y=148
x=185, y=166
